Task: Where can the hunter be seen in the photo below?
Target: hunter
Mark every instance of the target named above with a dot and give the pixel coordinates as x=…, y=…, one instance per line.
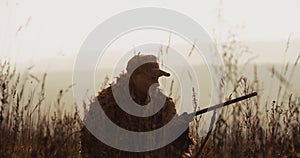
x=141, y=78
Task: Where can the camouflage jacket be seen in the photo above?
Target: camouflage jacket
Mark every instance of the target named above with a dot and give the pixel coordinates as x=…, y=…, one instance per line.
x=92, y=147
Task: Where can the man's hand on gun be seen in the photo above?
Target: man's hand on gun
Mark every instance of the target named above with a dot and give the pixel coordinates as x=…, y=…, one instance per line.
x=184, y=118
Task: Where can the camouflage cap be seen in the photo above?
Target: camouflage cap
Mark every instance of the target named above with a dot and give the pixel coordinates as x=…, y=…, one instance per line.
x=147, y=64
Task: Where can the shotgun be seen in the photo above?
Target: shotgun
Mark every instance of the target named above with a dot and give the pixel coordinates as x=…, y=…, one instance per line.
x=205, y=110
x=190, y=116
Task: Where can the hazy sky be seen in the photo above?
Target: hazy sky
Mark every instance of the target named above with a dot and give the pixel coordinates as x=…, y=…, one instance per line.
x=49, y=33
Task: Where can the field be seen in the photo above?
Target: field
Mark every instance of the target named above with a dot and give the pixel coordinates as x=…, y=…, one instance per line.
x=29, y=127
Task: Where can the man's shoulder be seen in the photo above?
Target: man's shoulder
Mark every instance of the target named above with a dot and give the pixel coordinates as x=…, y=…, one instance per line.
x=105, y=92
x=105, y=96
x=108, y=93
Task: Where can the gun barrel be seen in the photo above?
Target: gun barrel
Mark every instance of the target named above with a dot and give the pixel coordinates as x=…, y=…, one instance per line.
x=225, y=104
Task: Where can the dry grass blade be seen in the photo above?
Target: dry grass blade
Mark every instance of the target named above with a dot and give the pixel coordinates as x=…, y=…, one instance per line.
x=280, y=78
x=171, y=88
x=35, y=78
x=288, y=44
x=169, y=43
x=296, y=62
x=192, y=50
x=36, y=106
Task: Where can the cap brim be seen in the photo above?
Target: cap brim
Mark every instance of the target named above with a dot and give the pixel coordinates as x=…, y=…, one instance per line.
x=163, y=73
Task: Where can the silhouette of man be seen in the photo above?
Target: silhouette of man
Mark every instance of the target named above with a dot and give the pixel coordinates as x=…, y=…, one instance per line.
x=143, y=73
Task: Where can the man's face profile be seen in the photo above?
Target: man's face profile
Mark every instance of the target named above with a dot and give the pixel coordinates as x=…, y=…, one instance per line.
x=142, y=81
x=144, y=72
x=144, y=77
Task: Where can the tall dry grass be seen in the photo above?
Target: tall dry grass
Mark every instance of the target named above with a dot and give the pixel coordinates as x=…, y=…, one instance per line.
x=25, y=129
x=252, y=128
